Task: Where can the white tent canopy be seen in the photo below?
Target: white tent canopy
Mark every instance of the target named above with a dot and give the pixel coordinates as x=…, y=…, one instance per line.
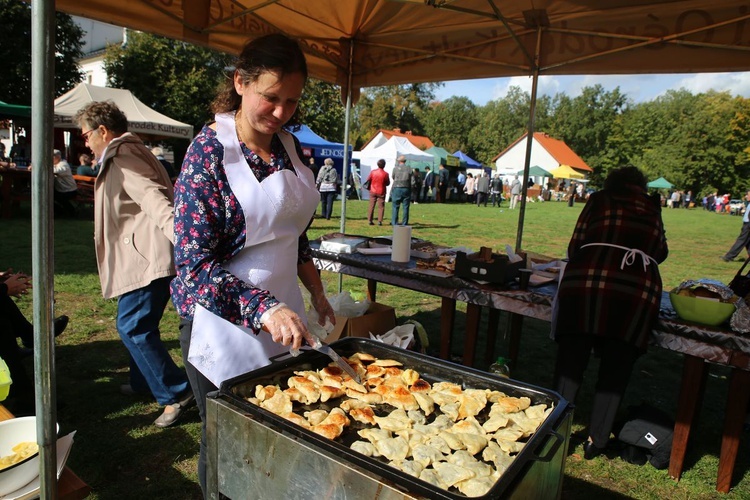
x=389, y=151
x=141, y=118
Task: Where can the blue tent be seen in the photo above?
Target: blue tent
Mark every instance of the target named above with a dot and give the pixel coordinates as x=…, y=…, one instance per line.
x=470, y=162
x=315, y=146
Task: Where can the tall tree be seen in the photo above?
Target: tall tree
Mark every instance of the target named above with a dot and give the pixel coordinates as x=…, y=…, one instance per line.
x=585, y=122
x=392, y=107
x=499, y=123
x=174, y=78
x=448, y=123
x=15, y=52
x=322, y=111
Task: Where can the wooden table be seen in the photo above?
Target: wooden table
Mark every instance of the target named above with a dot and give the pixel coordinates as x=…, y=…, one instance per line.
x=69, y=486
x=15, y=182
x=700, y=345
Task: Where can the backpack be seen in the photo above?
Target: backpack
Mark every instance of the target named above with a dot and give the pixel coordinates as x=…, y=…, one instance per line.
x=647, y=436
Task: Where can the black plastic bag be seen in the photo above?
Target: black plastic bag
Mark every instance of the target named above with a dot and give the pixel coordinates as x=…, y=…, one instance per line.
x=740, y=284
x=648, y=433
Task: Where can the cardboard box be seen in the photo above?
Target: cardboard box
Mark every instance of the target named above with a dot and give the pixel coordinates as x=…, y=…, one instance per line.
x=378, y=319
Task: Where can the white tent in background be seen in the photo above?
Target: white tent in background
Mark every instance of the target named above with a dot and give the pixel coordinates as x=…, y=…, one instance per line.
x=141, y=118
x=389, y=151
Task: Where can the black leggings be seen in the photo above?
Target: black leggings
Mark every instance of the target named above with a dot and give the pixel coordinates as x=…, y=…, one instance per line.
x=201, y=386
x=615, y=368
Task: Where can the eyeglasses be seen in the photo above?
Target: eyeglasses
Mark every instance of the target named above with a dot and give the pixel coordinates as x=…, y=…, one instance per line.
x=85, y=135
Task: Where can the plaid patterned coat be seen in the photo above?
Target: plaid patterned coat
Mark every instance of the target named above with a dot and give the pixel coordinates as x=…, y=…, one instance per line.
x=600, y=294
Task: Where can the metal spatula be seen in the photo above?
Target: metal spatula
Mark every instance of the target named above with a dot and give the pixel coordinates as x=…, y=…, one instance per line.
x=326, y=349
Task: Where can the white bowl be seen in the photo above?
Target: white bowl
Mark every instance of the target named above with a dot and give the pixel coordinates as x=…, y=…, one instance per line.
x=13, y=432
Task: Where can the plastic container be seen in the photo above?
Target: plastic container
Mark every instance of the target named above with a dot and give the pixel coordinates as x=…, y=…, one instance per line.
x=701, y=310
x=500, y=367
x=5, y=380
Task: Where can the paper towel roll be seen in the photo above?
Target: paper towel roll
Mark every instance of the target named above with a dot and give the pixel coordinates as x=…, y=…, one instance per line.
x=401, y=248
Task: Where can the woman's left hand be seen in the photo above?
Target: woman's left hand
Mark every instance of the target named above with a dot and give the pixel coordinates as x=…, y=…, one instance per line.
x=323, y=308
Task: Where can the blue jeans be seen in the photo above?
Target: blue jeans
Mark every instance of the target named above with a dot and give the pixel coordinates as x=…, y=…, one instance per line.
x=327, y=202
x=151, y=367
x=400, y=196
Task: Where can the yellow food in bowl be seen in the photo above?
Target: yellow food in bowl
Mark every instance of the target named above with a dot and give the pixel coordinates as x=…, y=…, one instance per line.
x=21, y=452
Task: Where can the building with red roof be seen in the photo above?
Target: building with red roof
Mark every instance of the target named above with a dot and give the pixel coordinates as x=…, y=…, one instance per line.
x=546, y=152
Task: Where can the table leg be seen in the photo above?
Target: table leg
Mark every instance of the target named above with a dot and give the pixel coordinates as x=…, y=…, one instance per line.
x=515, y=325
x=473, y=314
x=447, y=315
x=372, y=290
x=739, y=395
x=5, y=190
x=493, y=321
x=694, y=373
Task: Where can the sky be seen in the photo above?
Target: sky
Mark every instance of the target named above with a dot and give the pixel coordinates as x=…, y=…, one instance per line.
x=639, y=88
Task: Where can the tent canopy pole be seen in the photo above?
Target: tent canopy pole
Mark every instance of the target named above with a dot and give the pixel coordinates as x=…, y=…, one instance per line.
x=529, y=142
x=42, y=231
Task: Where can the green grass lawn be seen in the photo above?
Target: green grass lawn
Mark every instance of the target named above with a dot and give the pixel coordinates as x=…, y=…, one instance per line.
x=121, y=455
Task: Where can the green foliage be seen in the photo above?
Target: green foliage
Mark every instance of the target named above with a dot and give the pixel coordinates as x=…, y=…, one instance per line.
x=15, y=52
x=450, y=122
x=322, y=111
x=499, y=124
x=175, y=78
x=393, y=107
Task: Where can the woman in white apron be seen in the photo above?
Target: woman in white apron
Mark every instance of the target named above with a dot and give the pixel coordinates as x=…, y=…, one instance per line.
x=243, y=202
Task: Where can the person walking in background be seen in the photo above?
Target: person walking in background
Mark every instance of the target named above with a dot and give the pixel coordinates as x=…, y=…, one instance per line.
x=428, y=187
x=244, y=199
x=496, y=190
x=605, y=301
x=416, y=185
x=133, y=236
x=460, y=183
x=470, y=187
x=327, y=182
x=66, y=188
x=443, y=183
x=483, y=188
x=515, y=192
x=743, y=240
x=571, y=194
x=314, y=167
x=687, y=200
x=401, y=191
x=159, y=153
x=378, y=180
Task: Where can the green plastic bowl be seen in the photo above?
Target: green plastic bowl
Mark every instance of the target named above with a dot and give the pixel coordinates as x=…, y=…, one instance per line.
x=5, y=380
x=701, y=310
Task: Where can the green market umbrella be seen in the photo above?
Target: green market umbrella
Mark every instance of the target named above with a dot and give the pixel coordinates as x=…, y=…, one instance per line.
x=660, y=183
x=536, y=171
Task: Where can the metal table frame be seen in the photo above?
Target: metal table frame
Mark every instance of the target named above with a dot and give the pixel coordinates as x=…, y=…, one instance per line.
x=699, y=344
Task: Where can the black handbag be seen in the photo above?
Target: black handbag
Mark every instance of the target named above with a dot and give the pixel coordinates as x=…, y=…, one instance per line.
x=740, y=284
x=366, y=185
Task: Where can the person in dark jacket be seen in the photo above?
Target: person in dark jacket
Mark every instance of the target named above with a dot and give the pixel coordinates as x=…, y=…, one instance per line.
x=16, y=326
x=609, y=295
x=401, y=191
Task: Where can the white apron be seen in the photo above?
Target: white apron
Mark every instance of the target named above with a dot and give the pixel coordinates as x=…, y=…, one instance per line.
x=277, y=211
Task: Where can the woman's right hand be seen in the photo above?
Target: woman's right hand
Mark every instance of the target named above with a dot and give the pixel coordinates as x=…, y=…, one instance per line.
x=17, y=284
x=286, y=328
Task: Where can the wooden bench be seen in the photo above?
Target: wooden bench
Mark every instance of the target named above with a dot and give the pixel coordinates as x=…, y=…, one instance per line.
x=85, y=190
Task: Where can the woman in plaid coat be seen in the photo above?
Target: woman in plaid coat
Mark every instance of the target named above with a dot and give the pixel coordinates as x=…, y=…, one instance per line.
x=609, y=295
